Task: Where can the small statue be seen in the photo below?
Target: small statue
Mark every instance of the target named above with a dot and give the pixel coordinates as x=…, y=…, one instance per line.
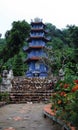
x=6, y=80
x=61, y=74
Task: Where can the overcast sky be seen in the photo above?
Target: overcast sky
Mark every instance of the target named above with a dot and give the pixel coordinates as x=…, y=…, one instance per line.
x=58, y=12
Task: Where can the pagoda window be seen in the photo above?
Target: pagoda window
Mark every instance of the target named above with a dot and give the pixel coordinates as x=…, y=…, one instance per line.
x=31, y=67
x=37, y=66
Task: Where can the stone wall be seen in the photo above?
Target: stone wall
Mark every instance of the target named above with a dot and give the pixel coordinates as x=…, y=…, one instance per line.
x=24, y=84
x=30, y=90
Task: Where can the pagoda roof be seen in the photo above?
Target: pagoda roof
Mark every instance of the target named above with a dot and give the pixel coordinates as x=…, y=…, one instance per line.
x=32, y=47
x=37, y=38
x=37, y=23
x=38, y=30
x=33, y=58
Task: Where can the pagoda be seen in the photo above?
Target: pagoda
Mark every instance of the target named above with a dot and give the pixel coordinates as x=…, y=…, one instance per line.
x=36, y=43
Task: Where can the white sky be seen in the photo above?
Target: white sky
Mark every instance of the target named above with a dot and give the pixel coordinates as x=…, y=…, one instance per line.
x=58, y=12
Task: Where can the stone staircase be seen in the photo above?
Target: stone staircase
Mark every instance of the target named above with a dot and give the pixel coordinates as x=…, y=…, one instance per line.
x=30, y=90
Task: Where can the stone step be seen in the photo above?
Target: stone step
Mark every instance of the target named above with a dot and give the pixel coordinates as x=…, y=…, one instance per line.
x=26, y=97
x=30, y=89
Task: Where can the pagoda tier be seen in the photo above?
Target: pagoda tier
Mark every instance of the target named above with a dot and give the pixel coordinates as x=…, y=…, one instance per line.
x=38, y=30
x=35, y=58
x=35, y=54
x=36, y=42
x=32, y=47
x=37, y=38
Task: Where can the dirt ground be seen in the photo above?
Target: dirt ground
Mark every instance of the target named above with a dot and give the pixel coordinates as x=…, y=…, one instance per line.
x=25, y=117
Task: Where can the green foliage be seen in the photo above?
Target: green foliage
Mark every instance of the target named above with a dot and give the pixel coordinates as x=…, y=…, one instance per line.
x=72, y=39
x=18, y=67
x=73, y=35
x=65, y=100
x=17, y=36
x=4, y=96
x=13, y=42
x=2, y=46
x=74, y=107
x=0, y=79
x=15, y=39
x=2, y=43
x=57, y=43
x=60, y=56
x=53, y=32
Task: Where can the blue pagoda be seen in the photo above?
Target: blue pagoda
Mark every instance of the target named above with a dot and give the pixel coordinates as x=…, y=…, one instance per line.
x=36, y=43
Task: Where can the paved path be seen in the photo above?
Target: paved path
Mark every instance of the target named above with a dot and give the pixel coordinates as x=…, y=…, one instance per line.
x=25, y=117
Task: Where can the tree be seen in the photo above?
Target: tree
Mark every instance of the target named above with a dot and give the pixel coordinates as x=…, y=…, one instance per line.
x=18, y=67
x=16, y=36
x=14, y=41
x=59, y=57
x=73, y=36
x=54, y=32
x=57, y=43
x=49, y=60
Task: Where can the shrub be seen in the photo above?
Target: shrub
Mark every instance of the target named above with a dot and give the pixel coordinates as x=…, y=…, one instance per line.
x=65, y=100
x=4, y=96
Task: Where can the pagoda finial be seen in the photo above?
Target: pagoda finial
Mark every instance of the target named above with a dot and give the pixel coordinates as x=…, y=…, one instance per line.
x=37, y=19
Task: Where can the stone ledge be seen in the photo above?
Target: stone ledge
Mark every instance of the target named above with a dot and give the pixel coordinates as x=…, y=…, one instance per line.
x=49, y=113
